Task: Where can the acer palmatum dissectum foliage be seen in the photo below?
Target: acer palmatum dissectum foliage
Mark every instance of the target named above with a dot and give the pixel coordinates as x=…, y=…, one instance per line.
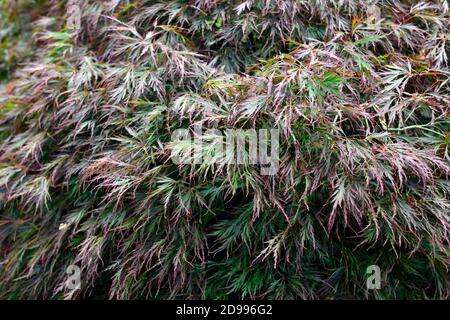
x=358, y=90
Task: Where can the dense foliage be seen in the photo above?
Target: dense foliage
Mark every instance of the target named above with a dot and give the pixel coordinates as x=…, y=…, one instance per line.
x=91, y=92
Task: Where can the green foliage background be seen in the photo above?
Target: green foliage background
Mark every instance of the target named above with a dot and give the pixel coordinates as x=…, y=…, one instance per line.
x=358, y=89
